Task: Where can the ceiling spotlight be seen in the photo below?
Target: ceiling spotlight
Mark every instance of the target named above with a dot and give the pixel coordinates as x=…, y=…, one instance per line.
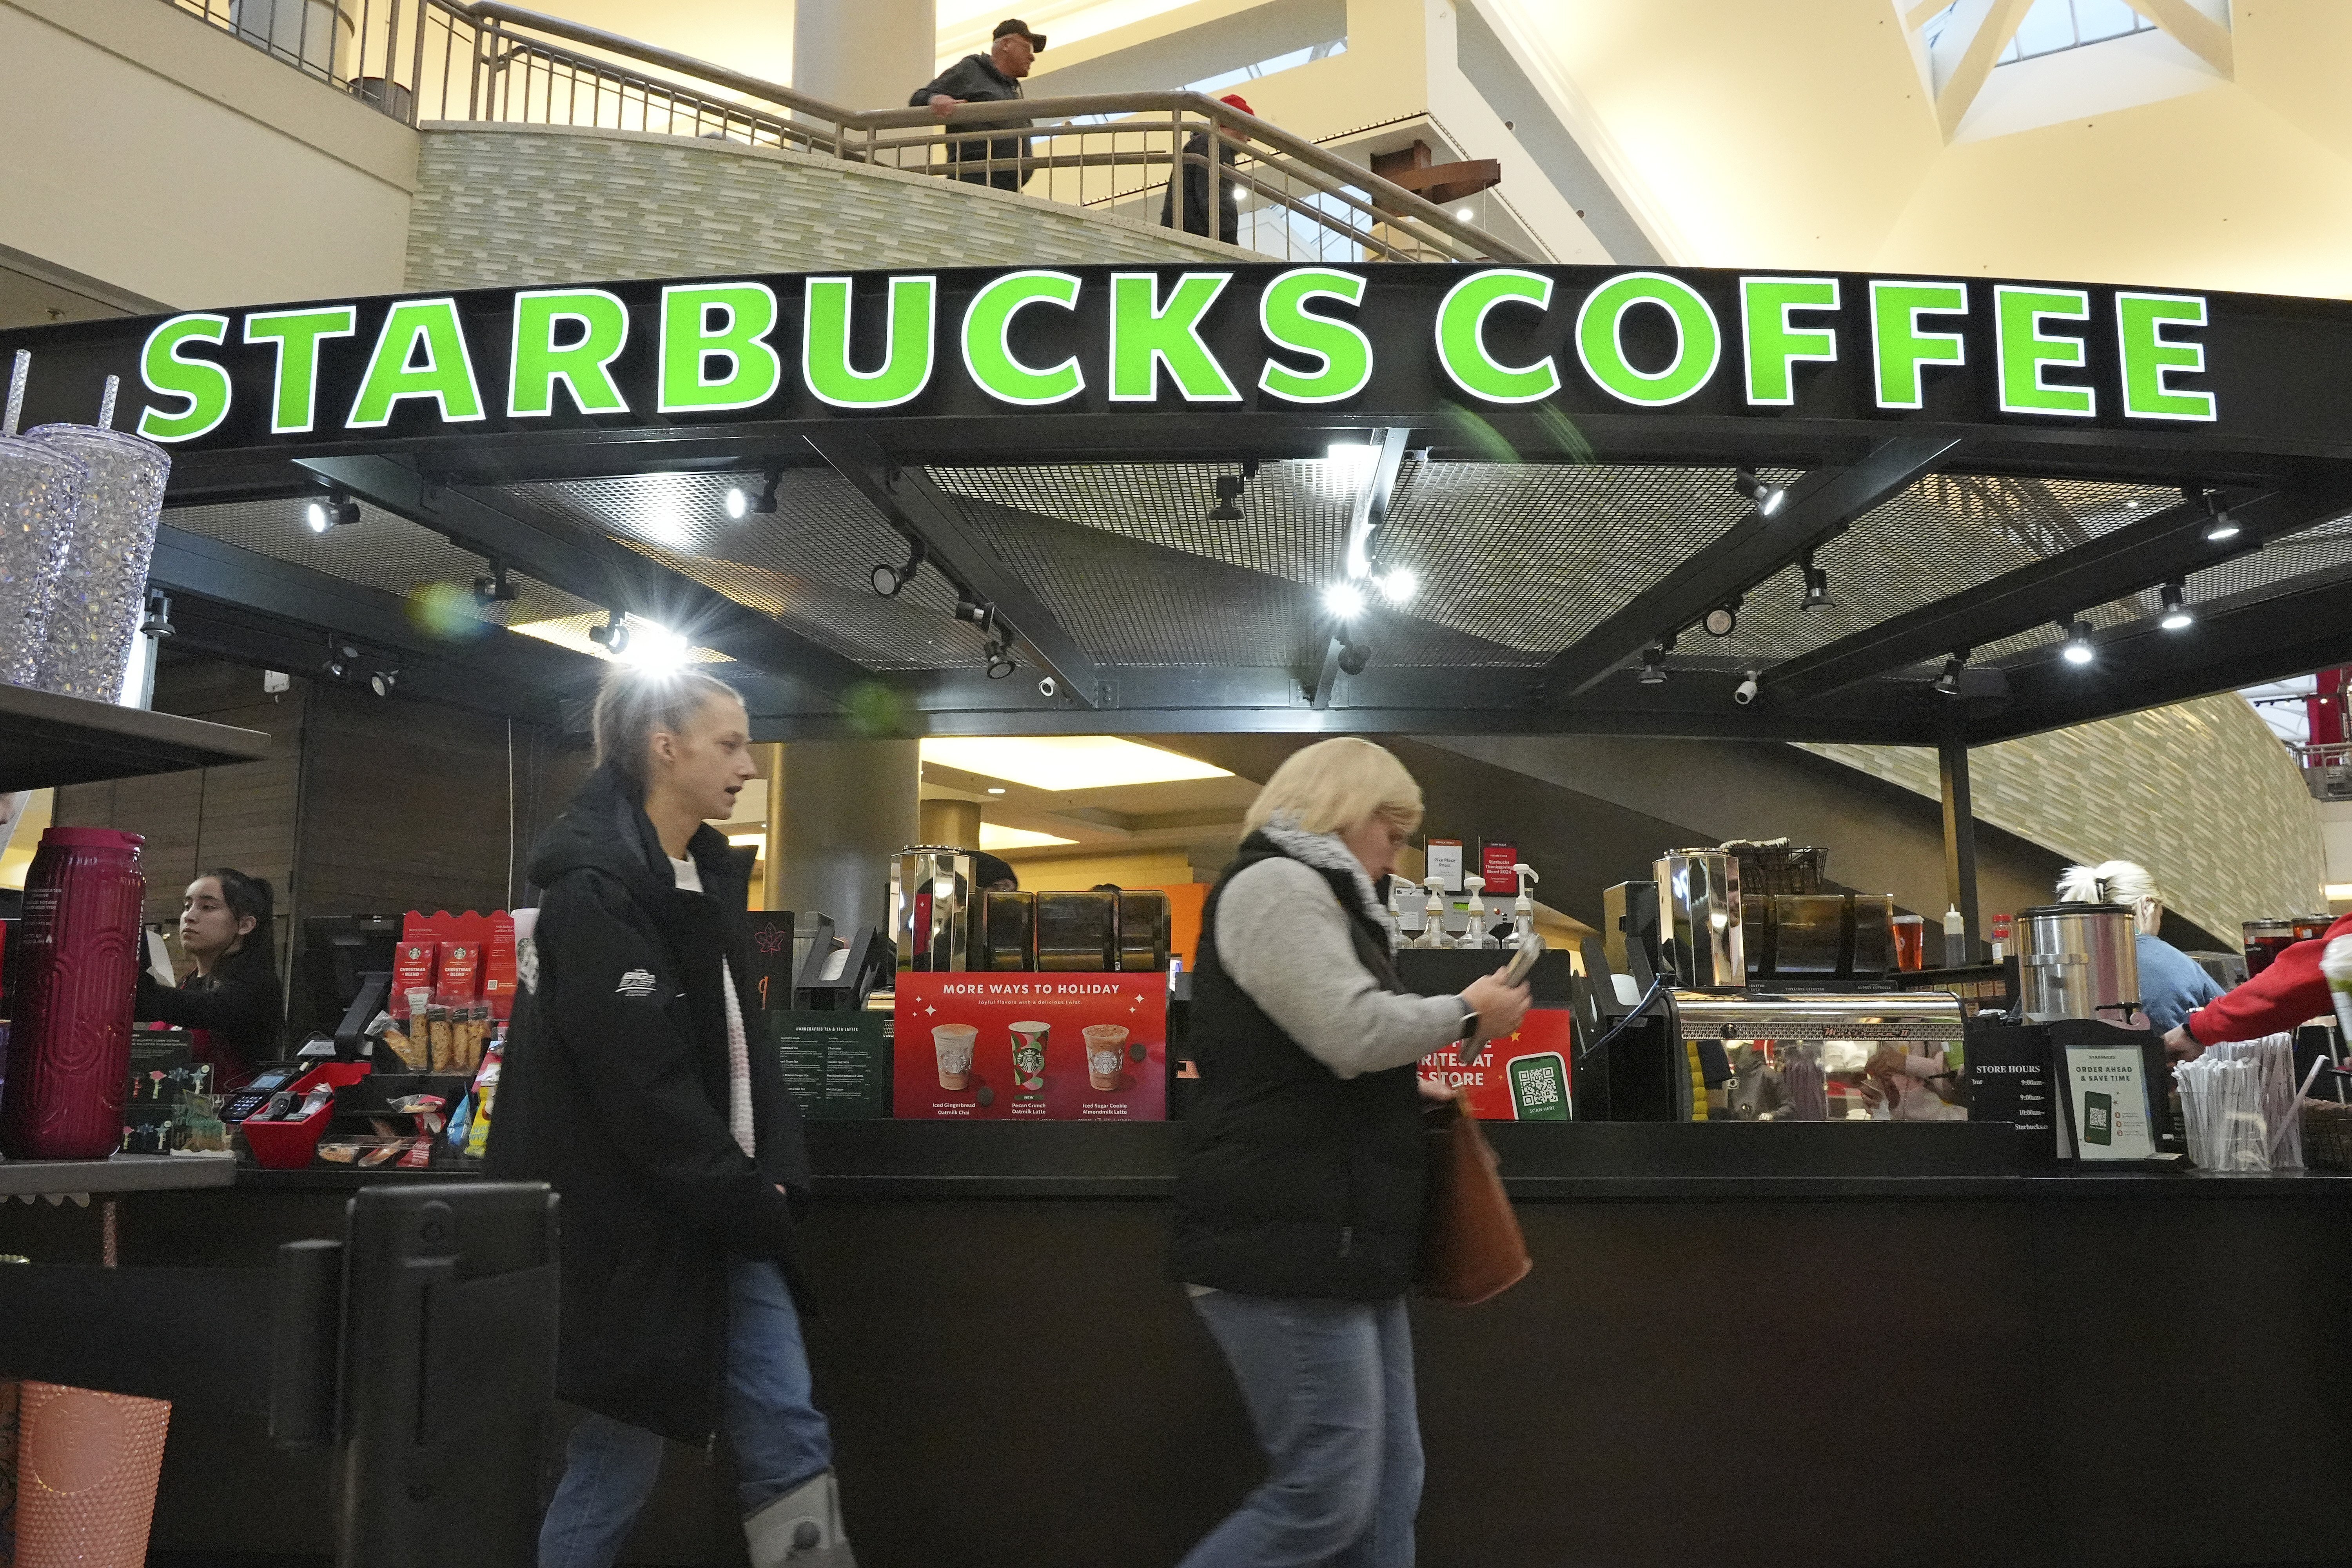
x=996, y=789
x=498, y=588
x=1344, y=600
x=383, y=681
x=336, y=509
x=612, y=636
x=1463, y=213
x=1949, y=683
x=340, y=657
x=889, y=578
x=1000, y=659
x=1354, y=657
x=738, y=503
x=1654, y=666
x=1817, y=586
x=1229, y=495
x=1767, y=499
x=158, y=621
x=1722, y=620
x=2078, y=650
x=2177, y=617
x=1398, y=586
x=2219, y=524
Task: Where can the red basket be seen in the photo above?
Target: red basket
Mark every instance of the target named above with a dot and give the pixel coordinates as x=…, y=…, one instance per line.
x=293, y=1145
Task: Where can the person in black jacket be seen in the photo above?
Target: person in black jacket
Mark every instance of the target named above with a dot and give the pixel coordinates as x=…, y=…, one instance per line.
x=232, y=1002
x=993, y=78
x=1298, y=1198
x=633, y=1086
x=1192, y=177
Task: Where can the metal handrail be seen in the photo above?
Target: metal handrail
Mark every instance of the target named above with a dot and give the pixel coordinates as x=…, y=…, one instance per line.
x=507, y=69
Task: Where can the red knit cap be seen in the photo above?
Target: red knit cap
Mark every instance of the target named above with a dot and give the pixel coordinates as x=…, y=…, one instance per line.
x=1238, y=101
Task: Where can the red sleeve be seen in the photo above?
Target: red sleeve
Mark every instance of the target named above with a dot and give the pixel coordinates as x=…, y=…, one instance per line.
x=2291, y=992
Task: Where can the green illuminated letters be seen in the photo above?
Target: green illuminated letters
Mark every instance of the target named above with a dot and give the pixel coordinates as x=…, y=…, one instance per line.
x=744, y=313
x=446, y=373
x=1145, y=334
x=2150, y=359
x=1772, y=345
x=1342, y=353
x=906, y=362
x=1461, y=337
x=584, y=365
x=168, y=374
x=988, y=355
x=1898, y=348
x=294, y=400
x=2022, y=349
x=1600, y=339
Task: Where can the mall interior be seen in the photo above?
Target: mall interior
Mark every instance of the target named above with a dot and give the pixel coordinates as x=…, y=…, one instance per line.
x=1019, y=644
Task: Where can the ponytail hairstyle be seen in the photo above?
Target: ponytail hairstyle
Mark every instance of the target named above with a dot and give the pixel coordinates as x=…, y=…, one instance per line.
x=252, y=896
x=2108, y=882
x=633, y=703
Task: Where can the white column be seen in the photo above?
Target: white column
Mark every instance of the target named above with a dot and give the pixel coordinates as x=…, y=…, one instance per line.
x=864, y=54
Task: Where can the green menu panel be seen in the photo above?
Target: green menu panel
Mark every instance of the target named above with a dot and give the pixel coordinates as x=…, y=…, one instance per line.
x=837, y=1063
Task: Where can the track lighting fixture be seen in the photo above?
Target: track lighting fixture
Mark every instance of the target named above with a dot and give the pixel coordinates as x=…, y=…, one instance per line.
x=2078, y=650
x=1398, y=585
x=999, y=658
x=1817, y=586
x=341, y=659
x=1949, y=683
x=1354, y=657
x=1229, y=493
x=889, y=578
x=498, y=588
x=612, y=636
x=740, y=501
x=158, y=620
x=2177, y=617
x=1654, y=666
x=1722, y=620
x=2220, y=526
x=383, y=681
x=336, y=509
x=1345, y=600
x=1766, y=497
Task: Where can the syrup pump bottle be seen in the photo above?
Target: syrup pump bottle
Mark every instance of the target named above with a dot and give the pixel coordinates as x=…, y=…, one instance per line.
x=1474, y=933
x=1433, y=915
x=1523, y=907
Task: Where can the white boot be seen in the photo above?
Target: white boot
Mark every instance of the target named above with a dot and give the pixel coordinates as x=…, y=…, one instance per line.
x=802, y=1528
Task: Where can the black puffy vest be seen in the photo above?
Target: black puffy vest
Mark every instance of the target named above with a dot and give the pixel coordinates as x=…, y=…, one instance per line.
x=1294, y=1182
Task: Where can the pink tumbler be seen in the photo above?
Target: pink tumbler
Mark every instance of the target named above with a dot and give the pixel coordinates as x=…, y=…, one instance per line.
x=77, y=984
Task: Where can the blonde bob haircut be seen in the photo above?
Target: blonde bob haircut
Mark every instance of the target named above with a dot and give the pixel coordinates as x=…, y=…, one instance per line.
x=1333, y=785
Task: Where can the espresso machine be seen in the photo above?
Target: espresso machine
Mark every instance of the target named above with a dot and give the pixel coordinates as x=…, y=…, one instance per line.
x=941, y=922
x=1679, y=1019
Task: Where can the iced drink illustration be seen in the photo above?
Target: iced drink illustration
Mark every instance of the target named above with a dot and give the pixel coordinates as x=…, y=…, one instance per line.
x=1029, y=1055
x=1105, y=1051
x=954, y=1044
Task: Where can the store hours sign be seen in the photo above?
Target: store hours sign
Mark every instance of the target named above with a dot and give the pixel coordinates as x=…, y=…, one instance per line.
x=1391, y=341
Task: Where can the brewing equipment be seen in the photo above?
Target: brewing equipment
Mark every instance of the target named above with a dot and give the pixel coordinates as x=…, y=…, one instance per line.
x=2081, y=960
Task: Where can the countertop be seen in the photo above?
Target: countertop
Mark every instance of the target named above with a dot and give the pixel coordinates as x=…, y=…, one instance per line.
x=121, y=1173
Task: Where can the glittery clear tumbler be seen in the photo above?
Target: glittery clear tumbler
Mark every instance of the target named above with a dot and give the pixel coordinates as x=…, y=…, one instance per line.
x=103, y=590
x=40, y=486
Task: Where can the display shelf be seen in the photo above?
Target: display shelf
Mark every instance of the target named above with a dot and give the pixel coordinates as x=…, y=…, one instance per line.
x=122, y=1174
x=47, y=740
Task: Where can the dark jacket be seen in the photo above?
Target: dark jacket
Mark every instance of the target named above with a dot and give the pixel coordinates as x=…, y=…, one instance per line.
x=1194, y=183
x=614, y=1090
x=237, y=1012
x=975, y=79
x=1293, y=1181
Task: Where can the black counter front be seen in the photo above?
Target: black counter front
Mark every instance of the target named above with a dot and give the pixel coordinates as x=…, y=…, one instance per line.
x=1840, y=1345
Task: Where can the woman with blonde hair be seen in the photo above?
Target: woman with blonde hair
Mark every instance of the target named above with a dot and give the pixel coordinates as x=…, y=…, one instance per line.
x=1298, y=1199
x=2171, y=983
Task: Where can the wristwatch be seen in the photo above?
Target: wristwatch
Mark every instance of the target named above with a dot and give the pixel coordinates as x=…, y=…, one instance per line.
x=1465, y=1052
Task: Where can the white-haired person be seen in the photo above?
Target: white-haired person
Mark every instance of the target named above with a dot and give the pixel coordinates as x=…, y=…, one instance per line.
x=2171, y=983
x=1299, y=1196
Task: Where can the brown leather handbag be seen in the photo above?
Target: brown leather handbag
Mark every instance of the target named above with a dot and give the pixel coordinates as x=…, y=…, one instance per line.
x=1471, y=1247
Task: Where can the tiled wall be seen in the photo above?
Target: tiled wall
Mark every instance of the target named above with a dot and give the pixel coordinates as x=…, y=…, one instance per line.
x=533, y=204
x=2202, y=793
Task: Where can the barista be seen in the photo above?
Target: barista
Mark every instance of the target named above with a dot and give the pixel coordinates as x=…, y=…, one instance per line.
x=2171, y=983
x=231, y=1002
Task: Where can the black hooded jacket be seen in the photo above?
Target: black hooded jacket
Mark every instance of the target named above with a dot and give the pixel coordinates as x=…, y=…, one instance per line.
x=614, y=1090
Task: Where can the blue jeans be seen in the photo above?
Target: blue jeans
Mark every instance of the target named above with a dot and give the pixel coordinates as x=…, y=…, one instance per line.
x=1329, y=1389
x=780, y=1438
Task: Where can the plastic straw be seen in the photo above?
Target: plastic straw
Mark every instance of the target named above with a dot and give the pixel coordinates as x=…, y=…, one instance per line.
x=106, y=402
x=17, y=374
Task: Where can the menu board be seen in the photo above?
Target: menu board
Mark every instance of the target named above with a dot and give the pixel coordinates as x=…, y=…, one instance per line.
x=1526, y=1077
x=837, y=1063
x=1031, y=1047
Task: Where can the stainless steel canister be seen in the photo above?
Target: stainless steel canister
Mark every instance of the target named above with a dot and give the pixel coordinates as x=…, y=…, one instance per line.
x=1699, y=918
x=40, y=489
x=1144, y=927
x=2081, y=960
x=932, y=900
x=102, y=587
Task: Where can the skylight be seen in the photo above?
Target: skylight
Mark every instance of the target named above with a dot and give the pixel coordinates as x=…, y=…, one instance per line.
x=2053, y=27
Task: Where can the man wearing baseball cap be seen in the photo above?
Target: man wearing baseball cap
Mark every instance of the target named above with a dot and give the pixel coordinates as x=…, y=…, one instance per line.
x=993, y=78
x=1191, y=180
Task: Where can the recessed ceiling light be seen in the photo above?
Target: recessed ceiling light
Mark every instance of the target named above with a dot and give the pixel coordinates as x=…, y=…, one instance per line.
x=996, y=789
x=991, y=837
x=1066, y=763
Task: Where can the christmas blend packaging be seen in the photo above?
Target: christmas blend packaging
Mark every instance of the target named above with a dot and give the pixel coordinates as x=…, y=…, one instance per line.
x=1031, y=1046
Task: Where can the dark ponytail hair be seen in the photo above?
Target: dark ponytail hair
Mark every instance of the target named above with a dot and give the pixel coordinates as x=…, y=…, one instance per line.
x=252, y=896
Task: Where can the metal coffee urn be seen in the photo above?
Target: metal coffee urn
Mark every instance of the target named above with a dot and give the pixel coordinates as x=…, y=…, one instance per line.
x=2081, y=960
x=932, y=900
x=1698, y=919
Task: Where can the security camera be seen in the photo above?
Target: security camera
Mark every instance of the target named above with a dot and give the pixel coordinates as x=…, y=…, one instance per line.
x=1048, y=686
x=1747, y=690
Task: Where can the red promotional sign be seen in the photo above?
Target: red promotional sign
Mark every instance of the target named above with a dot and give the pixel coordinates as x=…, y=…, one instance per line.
x=1522, y=1079
x=1495, y=863
x=1048, y=1047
